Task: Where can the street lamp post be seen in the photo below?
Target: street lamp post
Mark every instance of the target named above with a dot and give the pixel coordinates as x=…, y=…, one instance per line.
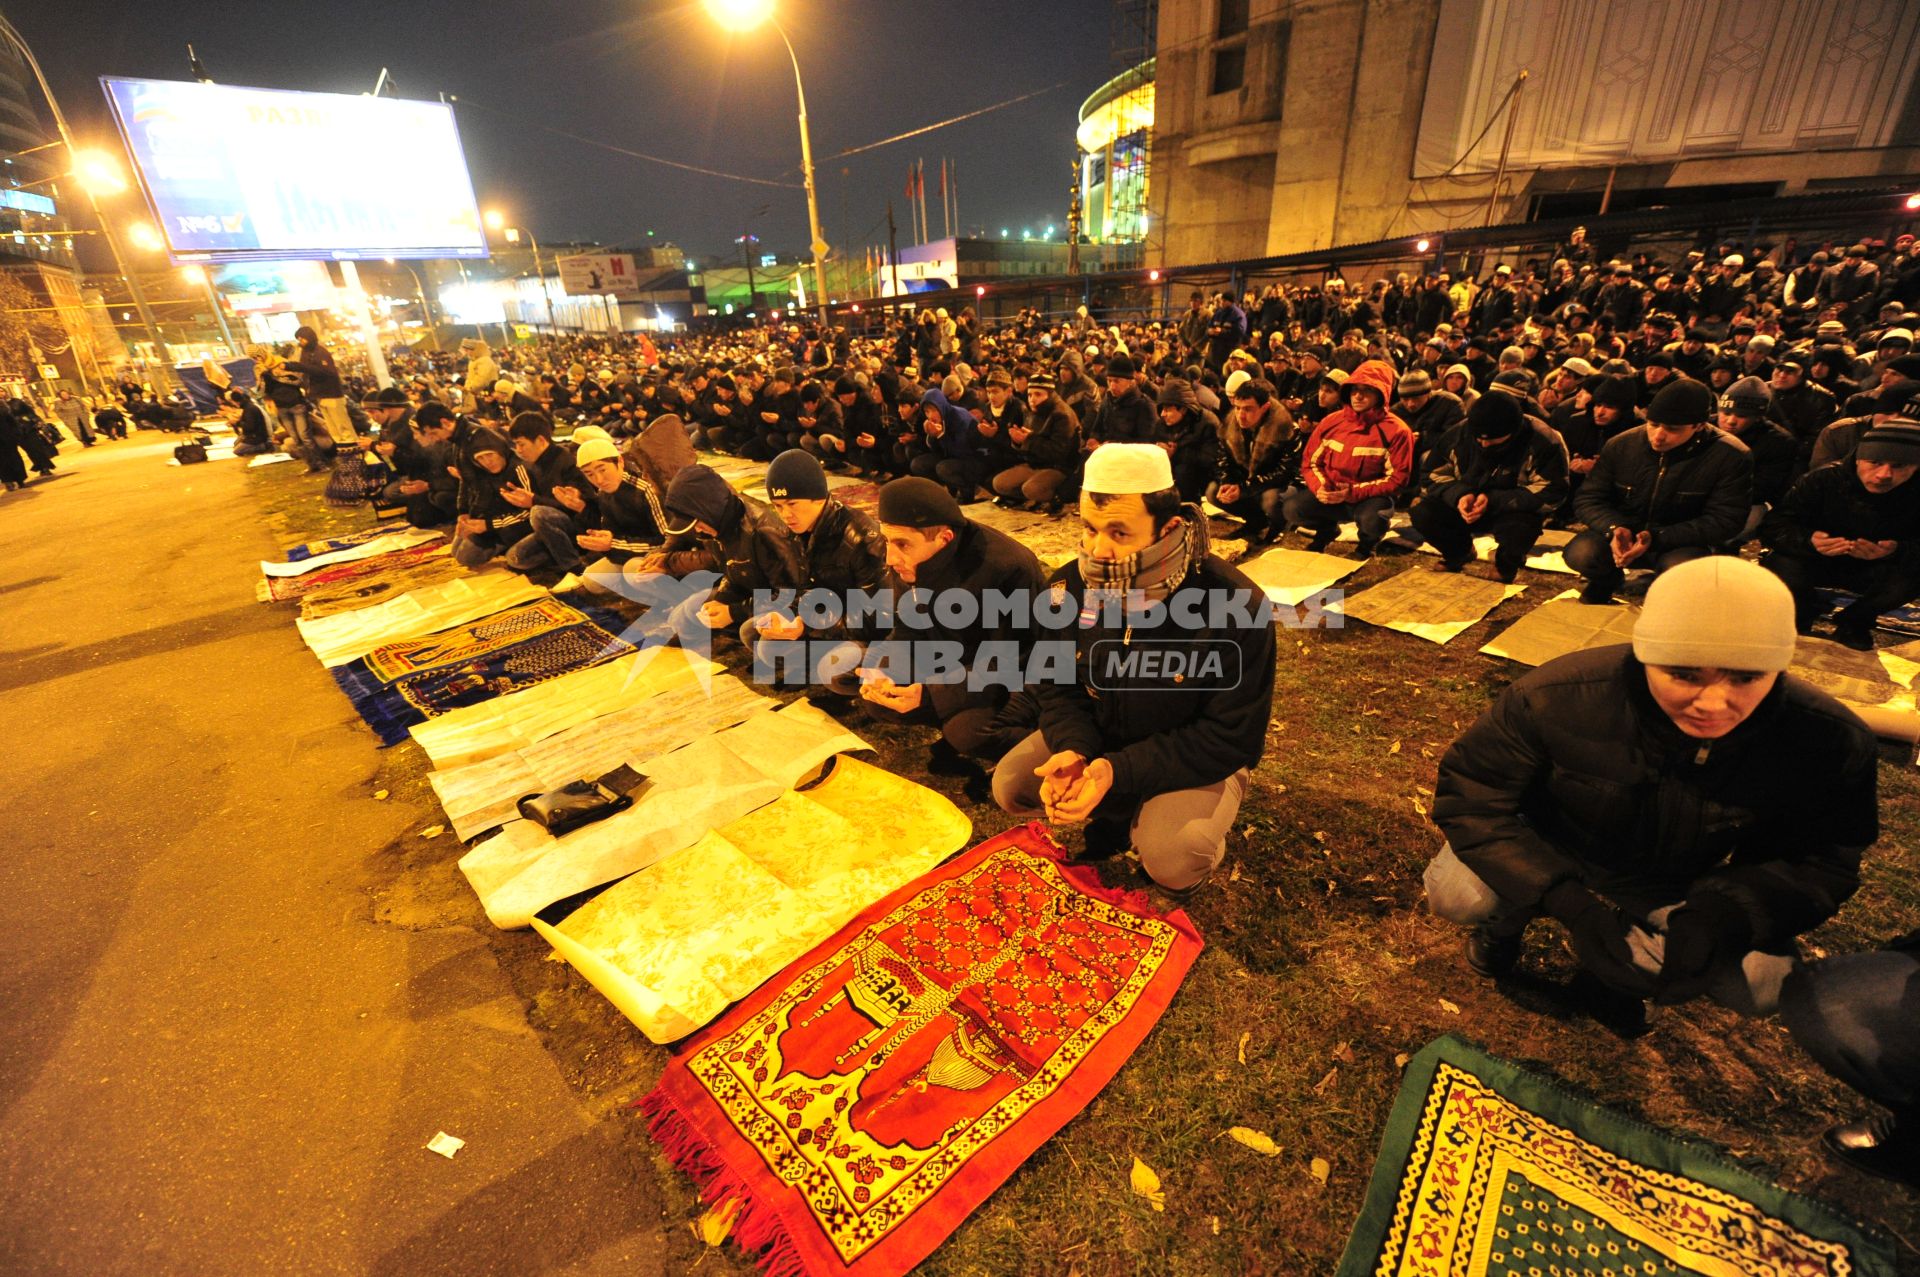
x=744, y=15
x=162, y=370
x=513, y=233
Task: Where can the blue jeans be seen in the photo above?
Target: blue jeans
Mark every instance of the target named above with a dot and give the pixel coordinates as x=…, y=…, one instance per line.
x=550, y=542
x=1859, y=1016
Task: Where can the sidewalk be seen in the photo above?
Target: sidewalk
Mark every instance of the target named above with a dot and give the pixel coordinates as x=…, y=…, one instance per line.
x=216, y=1061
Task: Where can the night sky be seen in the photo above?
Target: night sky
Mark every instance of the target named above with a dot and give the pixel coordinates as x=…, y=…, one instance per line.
x=654, y=76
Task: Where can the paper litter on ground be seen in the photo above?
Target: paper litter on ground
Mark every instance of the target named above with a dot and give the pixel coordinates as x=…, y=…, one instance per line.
x=716, y=779
x=673, y=946
x=268, y=459
x=446, y=1145
x=1436, y=606
x=1561, y=625
x=1291, y=577
x=348, y=636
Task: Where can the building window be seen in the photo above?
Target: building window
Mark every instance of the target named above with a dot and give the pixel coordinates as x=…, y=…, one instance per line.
x=1233, y=19
x=1282, y=41
x=1229, y=68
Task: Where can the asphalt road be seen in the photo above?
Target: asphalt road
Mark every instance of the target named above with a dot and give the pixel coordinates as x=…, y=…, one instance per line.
x=214, y=1060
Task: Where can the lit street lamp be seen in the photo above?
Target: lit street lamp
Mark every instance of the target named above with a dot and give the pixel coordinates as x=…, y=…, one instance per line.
x=497, y=221
x=82, y=161
x=745, y=15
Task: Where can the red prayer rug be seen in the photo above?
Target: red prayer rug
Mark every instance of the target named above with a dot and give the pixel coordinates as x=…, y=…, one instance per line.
x=865, y=1100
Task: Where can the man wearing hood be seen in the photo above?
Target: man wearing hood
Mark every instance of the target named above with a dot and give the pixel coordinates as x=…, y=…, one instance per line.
x=1356, y=462
x=954, y=455
x=1676, y=490
x=745, y=537
x=1191, y=436
x=1501, y=476
x=489, y=523
x=1148, y=746
x=1683, y=807
x=1853, y=525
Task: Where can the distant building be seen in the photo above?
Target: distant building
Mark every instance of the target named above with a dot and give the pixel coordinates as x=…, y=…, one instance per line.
x=968, y=263
x=1282, y=127
x=1114, y=143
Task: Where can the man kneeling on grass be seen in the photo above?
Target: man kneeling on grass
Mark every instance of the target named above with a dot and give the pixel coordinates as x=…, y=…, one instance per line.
x=1681, y=805
x=1152, y=742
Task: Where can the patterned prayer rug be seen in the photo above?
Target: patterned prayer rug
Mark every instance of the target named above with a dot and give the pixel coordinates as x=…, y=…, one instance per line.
x=864, y=1101
x=377, y=587
x=347, y=576
x=402, y=684
x=1488, y=1169
x=305, y=550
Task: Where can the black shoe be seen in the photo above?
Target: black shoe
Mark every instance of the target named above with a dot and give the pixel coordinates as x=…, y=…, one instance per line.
x=1106, y=839
x=1596, y=595
x=1453, y=565
x=1874, y=1145
x=1010, y=503
x=1490, y=955
x=1320, y=541
x=1364, y=548
x=944, y=760
x=1857, y=637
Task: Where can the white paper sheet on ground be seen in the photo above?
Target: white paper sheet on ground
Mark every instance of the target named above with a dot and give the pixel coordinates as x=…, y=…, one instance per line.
x=1561, y=625
x=481, y=795
x=1436, y=606
x=530, y=715
x=522, y=869
x=268, y=459
x=1878, y=686
x=397, y=540
x=1291, y=577
x=348, y=636
x=671, y=947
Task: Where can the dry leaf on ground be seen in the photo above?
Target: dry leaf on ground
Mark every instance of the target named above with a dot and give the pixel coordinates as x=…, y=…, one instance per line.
x=1244, y=1039
x=1146, y=1184
x=1320, y=1168
x=1451, y=1008
x=713, y=1227
x=379, y=794
x=433, y=831
x=1258, y=1141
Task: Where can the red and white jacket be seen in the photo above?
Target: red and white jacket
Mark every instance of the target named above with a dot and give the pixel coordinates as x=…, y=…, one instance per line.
x=1371, y=454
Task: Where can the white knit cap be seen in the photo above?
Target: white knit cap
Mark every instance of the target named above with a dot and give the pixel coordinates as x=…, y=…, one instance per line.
x=1236, y=379
x=583, y=433
x=1717, y=612
x=1117, y=469
x=596, y=450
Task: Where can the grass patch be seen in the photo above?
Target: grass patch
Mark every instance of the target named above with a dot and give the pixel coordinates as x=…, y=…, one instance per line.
x=1318, y=949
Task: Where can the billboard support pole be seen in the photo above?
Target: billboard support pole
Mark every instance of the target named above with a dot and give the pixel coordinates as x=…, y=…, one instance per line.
x=162, y=371
x=363, y=319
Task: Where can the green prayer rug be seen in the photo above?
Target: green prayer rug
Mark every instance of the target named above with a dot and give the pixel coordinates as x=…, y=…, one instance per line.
x=1486, y=1169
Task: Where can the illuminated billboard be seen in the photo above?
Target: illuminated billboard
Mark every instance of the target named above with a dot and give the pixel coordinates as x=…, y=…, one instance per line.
x=232, y=174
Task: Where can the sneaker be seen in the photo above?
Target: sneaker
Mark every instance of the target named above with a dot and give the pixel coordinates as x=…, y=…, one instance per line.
x=1491, y=955
x=1857, y=637
x=1874, y=1145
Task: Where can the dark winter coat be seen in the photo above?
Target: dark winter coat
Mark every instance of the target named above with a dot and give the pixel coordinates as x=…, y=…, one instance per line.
x=1699, y=494
x=1576, y=773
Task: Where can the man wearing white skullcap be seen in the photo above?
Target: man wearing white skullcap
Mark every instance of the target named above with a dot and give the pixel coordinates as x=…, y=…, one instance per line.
x=1151, y=740
x=1683, y=806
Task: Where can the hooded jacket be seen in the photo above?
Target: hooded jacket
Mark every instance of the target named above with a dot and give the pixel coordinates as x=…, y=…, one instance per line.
x=1372, y=455
x=1575, y=772
x=958, y=440
x=480, y=489
x=1699, y=494
x=750, y=545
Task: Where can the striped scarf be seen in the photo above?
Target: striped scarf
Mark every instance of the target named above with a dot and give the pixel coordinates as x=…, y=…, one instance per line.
x=1156, y=570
